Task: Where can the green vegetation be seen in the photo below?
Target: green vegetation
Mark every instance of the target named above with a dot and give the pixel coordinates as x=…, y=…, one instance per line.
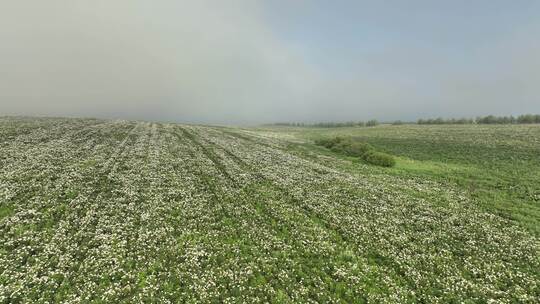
x=5, y=210
x=379, y=158
x=321, y=124
x=484, y=120
x=99, y=211
x=487, y=120
x=353, y=148
x=497, y=166
x=442, y=121
x=370, y=123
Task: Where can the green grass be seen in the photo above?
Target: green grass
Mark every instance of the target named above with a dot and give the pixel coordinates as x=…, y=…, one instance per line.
x=6, y=210
x=497, y=166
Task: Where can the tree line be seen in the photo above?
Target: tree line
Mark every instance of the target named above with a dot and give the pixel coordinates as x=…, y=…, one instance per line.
x=369, y=123
x=490, y=119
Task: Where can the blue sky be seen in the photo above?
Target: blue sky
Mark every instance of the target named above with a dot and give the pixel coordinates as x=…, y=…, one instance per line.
x=448, y=32
x=424, y=44
x=246, y=61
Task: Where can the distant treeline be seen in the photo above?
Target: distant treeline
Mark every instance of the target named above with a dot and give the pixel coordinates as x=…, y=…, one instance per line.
x=369, y=123
x=490, y=119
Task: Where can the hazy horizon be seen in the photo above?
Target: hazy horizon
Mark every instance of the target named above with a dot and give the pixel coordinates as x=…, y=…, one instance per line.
x=246, y=62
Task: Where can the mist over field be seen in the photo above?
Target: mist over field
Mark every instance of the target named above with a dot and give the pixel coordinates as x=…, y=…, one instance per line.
x=242, y=61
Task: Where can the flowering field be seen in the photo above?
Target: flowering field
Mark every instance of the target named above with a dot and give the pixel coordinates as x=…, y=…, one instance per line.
x=497, y=166
x=122, y=211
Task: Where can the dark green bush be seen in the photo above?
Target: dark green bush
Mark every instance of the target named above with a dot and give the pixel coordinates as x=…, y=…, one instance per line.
x=344, y=145
x=379, y=159
x=357, y=148
x=329, y=142
x=322, y=142
x=372, y=123
x=341, y=146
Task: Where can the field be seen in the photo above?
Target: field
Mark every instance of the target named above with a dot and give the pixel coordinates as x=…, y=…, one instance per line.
x=497, y=165
x=122, y=211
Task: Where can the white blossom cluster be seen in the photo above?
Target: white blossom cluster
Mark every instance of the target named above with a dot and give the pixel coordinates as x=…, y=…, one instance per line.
x=120, y=211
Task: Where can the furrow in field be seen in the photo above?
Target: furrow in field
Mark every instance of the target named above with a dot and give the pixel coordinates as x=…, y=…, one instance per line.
x=46, y=228
x=214, y=243
x=236, y=217
x=46, y=167
x=297, y=226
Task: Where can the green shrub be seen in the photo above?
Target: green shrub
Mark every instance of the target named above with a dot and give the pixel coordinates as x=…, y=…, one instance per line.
x=357, y=148
x=322, y=142
x=379, y=159
x=329, y=142
x=341, y=146
x=345, y=145
x=372, y=123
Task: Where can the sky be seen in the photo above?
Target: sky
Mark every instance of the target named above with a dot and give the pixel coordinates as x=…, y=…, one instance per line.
x=254, y=61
